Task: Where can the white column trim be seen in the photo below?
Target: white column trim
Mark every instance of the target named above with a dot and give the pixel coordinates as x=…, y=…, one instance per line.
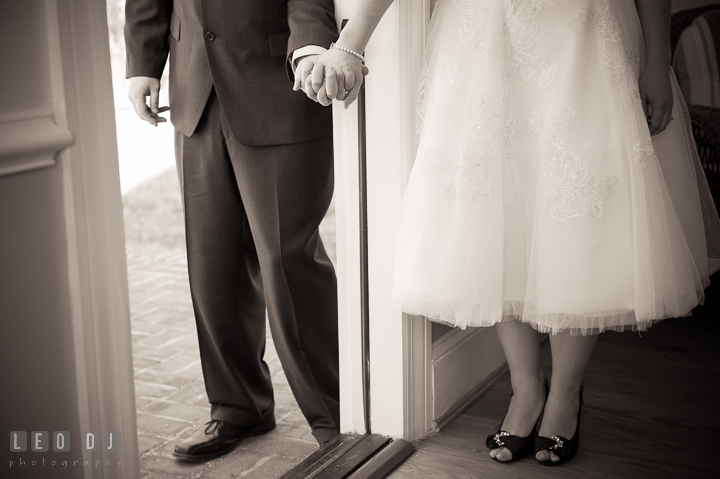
x=417, y=331
x=400, y=347
x=347, y=228
x=417, y=349
x=83, y=103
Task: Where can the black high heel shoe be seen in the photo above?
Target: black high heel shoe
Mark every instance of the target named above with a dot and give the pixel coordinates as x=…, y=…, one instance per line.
x=564, y=449
x=518, y=446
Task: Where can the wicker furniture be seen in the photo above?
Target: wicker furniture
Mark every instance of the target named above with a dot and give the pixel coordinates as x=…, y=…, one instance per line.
x=705, y=120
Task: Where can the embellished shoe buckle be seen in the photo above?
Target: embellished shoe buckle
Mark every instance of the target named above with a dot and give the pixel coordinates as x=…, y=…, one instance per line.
x=497, y=437
x=558, y=442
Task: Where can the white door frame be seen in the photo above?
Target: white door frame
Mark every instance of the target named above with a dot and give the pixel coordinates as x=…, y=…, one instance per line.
x=400, y=346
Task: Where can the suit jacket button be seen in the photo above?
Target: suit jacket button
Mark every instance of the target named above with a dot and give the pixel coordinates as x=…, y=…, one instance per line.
x=209, y=36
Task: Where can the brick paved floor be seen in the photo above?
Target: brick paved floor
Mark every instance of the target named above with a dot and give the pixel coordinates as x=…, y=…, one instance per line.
x=170, y=394
x=169, y=389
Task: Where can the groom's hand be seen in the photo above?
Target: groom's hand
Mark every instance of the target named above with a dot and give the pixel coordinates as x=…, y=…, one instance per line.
x=139, y=89
x=303, y=72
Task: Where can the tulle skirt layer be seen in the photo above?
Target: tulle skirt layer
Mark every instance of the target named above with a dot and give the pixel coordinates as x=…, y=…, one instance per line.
x=537, y=192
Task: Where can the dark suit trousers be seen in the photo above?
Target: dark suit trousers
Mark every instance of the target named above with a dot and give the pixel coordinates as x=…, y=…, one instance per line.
x=252, y=217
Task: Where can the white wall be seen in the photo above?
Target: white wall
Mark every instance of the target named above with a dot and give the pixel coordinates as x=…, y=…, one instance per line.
x=36, y=344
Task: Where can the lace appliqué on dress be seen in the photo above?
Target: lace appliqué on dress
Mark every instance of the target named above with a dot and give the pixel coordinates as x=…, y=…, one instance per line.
x=575, y=187
x=520, y=31
x=493, y=42
x=466, y=166
x=462, y=173
x=471, y=14
x=644, y=150
x=622, y=60
x=421, y=105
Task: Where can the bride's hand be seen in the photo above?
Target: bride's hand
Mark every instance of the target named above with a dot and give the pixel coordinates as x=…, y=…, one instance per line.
x=337, y=75
x=657, y=97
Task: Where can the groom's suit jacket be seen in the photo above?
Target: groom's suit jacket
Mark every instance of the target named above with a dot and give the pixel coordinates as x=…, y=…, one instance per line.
x=241, y=47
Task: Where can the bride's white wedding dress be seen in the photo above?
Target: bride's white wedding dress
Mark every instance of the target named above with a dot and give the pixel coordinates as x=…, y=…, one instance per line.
x=538, y=192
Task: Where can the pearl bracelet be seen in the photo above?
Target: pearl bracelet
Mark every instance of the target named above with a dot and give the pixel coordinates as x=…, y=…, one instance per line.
x=347, y=50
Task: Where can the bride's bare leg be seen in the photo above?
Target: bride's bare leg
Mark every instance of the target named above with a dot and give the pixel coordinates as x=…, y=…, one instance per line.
x=521, y=345
x=570, y=354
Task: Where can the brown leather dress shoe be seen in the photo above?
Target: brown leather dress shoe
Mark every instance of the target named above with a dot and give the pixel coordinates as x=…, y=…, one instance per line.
x=217, y=438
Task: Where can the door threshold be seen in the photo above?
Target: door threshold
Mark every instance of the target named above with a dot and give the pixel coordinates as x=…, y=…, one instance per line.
x=351, y=456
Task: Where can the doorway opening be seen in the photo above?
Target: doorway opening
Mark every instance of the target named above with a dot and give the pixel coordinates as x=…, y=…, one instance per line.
x=169, y=391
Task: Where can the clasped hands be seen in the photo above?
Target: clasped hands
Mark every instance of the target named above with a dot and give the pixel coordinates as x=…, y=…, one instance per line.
x=334, y=75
